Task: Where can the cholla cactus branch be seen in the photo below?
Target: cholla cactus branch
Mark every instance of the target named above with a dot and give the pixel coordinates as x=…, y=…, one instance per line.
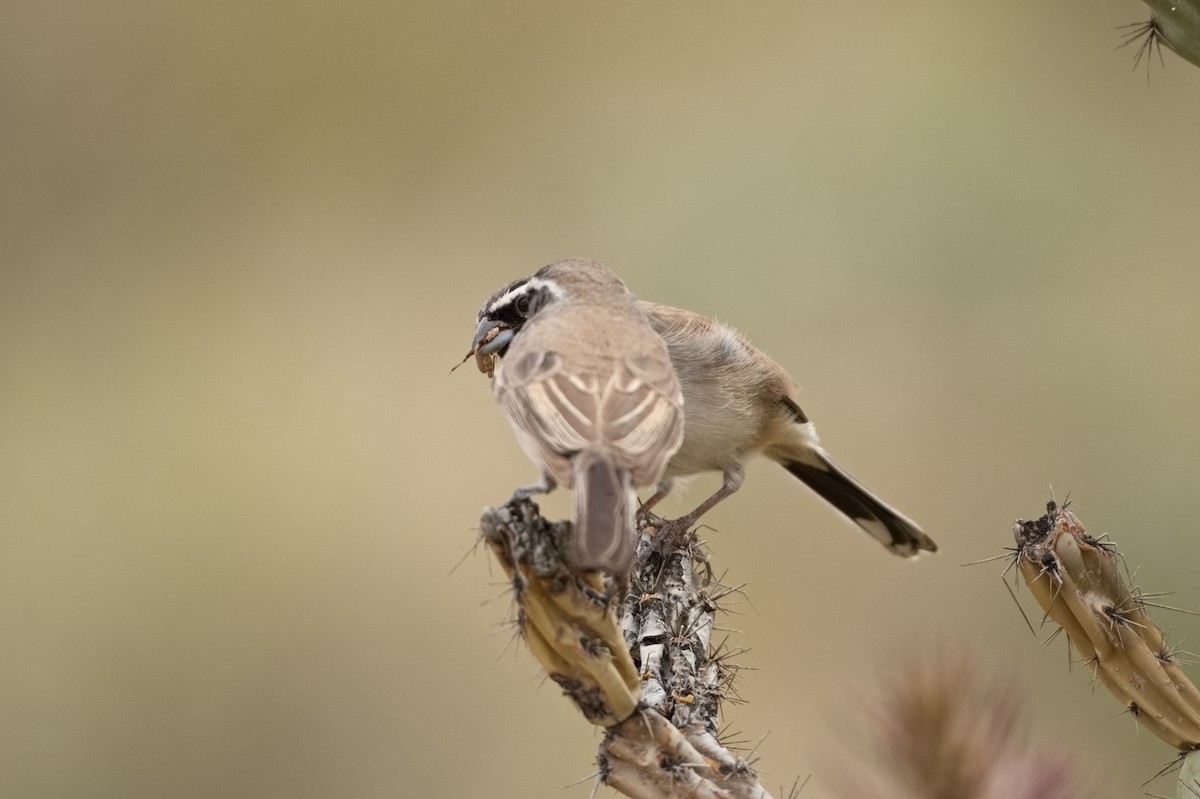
x=564, y=617
x=1080, y=583
x=672, y=614
x=647, y=757
x=650, y=679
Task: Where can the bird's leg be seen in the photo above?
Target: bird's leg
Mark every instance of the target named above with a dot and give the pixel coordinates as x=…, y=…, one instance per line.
x=673, y=532
x=661, y=490
x=734, y=475
x=544, y=486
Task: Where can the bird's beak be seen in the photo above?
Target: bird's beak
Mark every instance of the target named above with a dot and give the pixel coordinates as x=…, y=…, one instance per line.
x=491, y=337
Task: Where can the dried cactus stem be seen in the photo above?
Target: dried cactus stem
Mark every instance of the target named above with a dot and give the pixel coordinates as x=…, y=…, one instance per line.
x=565, y=621
x=1079, y=583
x=647, y=757
x=662, y=744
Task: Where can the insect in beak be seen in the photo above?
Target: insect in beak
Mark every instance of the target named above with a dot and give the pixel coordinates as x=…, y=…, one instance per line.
x=491, y=337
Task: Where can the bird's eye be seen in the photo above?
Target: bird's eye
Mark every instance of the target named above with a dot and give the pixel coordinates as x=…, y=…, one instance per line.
x=522, y=305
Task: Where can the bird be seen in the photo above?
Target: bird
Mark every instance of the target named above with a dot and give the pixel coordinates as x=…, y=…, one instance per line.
x=739, y=402
x=589, y=390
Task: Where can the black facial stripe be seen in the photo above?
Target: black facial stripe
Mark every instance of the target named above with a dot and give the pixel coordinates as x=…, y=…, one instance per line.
x=538, y=299
x=488, y=309
x=514, y=304
x=509, y=315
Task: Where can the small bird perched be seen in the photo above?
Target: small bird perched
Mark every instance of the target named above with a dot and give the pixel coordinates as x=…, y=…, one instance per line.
x=589, y=390
x=736, y=400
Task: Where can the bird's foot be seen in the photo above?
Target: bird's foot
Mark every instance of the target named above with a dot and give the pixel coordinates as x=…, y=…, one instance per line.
x=670, y=535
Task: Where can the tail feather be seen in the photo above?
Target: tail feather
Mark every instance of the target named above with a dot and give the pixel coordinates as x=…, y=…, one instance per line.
x=604, y=503
x=842, y=491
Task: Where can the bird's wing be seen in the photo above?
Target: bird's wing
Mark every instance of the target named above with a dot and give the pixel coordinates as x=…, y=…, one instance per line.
x=643, y=414
x=634, y=407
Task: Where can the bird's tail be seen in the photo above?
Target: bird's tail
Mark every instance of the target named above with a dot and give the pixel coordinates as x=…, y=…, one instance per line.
x=604, y=503
x=833, y=484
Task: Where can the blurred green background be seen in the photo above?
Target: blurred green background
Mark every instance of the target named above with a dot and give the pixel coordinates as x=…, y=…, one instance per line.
x=242, y=244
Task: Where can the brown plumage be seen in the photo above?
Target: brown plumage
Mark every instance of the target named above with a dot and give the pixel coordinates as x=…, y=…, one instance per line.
x=740, y=402
x=606, y=393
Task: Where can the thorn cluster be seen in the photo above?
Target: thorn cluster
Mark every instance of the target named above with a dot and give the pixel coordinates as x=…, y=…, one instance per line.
x=1080, y=584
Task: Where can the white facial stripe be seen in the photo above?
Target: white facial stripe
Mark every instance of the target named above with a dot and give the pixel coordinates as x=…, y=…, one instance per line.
x=510, y=296
x=531, y=286
x=552, y=288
